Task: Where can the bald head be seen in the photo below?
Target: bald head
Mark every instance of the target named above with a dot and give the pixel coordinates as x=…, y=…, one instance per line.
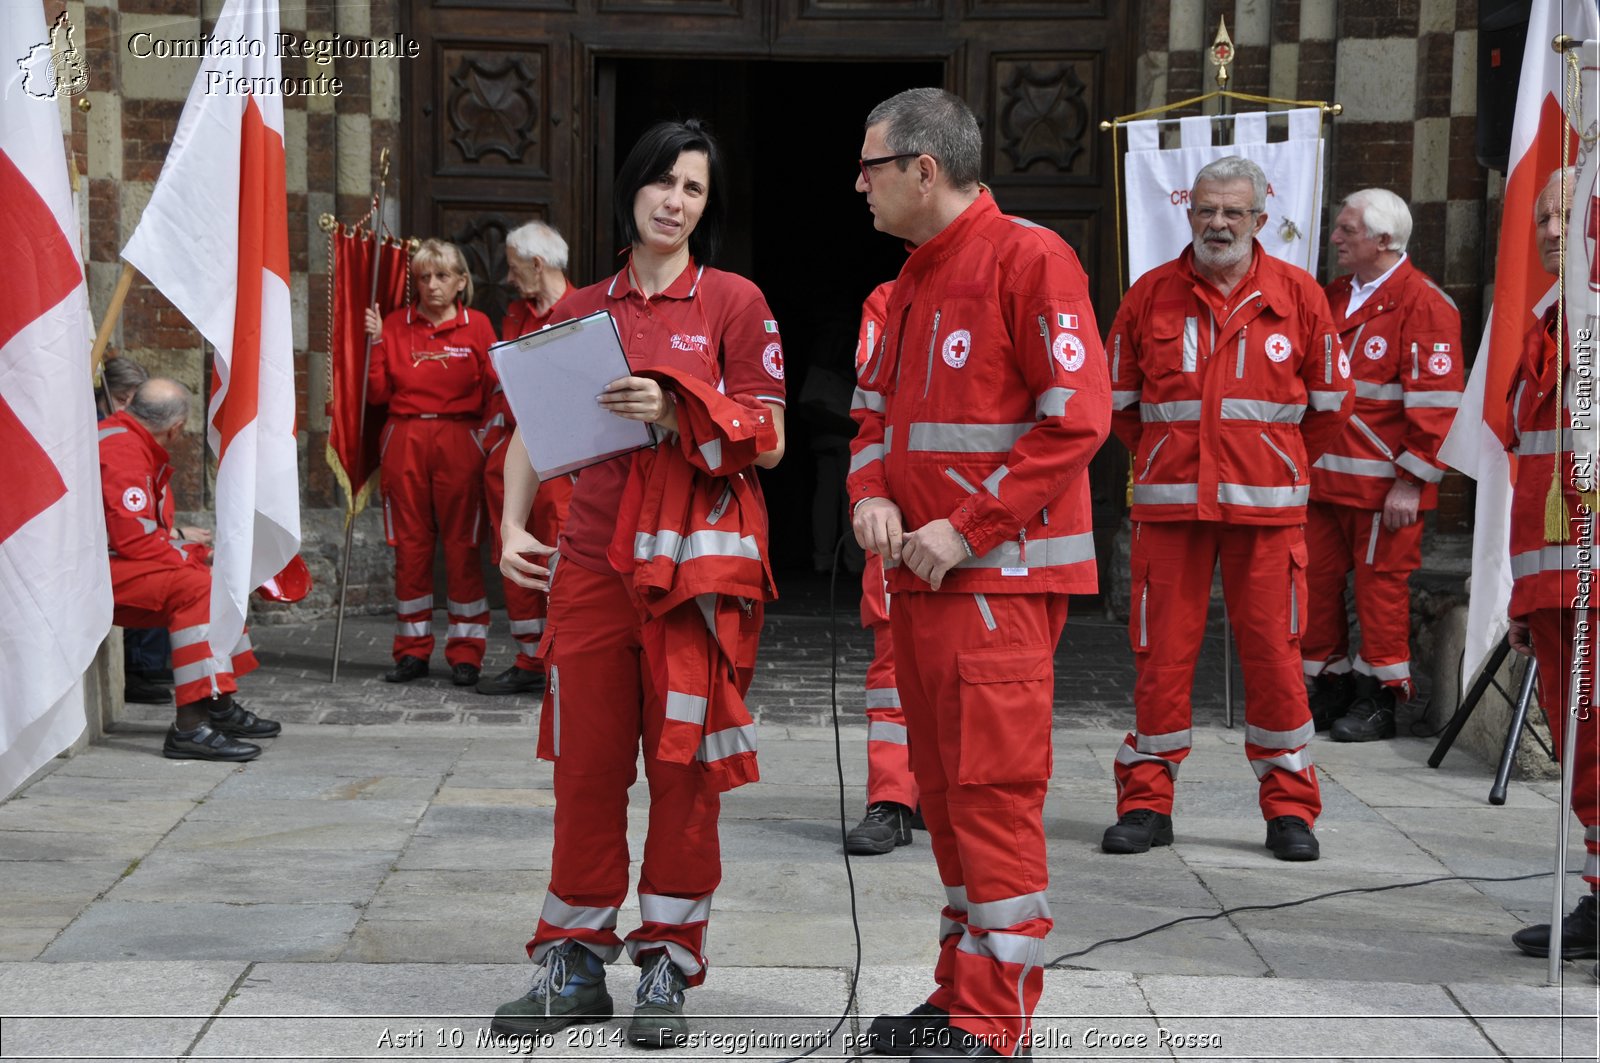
x=161, y=404
x=1550, y=215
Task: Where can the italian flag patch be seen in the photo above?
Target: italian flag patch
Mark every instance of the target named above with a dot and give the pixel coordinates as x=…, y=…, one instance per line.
x=771, y=326
x=1067, y=321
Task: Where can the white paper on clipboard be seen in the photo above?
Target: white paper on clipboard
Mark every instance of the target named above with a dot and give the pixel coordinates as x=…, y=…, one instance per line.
x=551, y=378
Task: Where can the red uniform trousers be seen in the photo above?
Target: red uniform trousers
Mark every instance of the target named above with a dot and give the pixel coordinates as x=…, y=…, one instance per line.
x=599, y=705
x=178, y=597
x=1342, y=538
x=977, y=679
x=433, y=489
x=1551, y=630
x=525, y=609
x=889, y=775
x=1264, y=584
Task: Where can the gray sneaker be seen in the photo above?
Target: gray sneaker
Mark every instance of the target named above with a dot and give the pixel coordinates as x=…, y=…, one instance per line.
x=658, y=1020
x=569, y=989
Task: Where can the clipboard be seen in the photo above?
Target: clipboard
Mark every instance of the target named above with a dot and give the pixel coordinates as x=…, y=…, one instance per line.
x=551, y=378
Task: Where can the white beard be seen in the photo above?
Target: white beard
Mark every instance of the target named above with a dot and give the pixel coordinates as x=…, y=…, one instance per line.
x=1221, y=256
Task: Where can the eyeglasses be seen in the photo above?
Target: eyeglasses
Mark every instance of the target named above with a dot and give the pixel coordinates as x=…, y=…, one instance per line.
x=1233, y=215
x=867, y=164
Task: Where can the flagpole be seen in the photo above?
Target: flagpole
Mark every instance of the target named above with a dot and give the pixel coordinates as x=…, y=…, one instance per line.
x=361, y=410
x=113, y=312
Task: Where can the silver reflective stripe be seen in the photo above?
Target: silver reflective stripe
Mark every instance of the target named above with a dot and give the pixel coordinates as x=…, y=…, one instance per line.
x=866, y=400
x=466, y=608
x=149, y=526
x=1419, y=468
x=1042, y=553
x=416, y=629
x=1294, y=739
x=1383, y=671
x=1372, y=539
x=1191, y=344
x=1116, y=356
x=1548, y=559
x=1126, y=754
x=1543, y=441
x=883, y=697
x=1261, y=410
x=654, y=908
x=1002, y=947
x=711, y=454
x=1325, y=401
x=467, y=631
x=1355, y=466
x=1182, y=410
x=1449, y=400
x=1121, y=400
x=555, y=706
x=527, y=627
x=1372, y=437
x=1591, y=866
x=188, y=636
x=1366, y=389
x=1053, y=403
x=726, y=743
x=696, y=544
x=965, y=438
x=882, y=731
x=193, y=673
x=1165, y=494
x=948, y=927
x=1297, y=761
x=107, y=433
x=956, y=897
x=966, y=484
x=991, y=483
x=686, y=708
x=558, y=912
x=984, y=611
x=1591, y=834
x=242, y=646
x=1516, y=405
x=866, y=456
x=1170, y=742
x=413, y=605
x=996, y=915
x=1265, y=497
x=888, y=439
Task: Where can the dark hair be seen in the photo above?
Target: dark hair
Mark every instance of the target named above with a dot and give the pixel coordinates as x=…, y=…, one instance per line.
x=652, y=156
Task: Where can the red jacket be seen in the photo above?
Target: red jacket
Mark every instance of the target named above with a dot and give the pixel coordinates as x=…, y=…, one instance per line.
x=874, y=590
x=421, y=369
x=522, y=317
x=1545, y=575
x=1225, y=404
x=691, y=539
x=994, y=398
x=1405, y=357
x=134, y=474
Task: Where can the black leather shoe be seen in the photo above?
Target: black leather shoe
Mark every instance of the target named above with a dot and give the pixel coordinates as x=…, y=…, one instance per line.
x=203, y=743
x=236, y=721
x=900, y=1035
x=1136, y=830
x=406, y=669
x=464, y=675
x=886, y=826
x=956, y=1043
x=1370, y=719
x=513, y=680
x=1580, y=934
x=1330, y=698
x=1290, y=838
x=141, y=691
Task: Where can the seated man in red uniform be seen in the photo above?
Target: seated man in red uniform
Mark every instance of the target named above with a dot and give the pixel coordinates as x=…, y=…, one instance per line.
x=160, y=581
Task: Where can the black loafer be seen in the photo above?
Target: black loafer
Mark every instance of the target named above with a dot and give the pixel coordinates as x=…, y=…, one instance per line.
x=406, y=669
x=203, y=743
x=141, y=691
x=1290, y=838
x=513, y=680
x=236, y=721
x=901, y=1035
x=1136, y=830
x=1580, y=934
x=464, y=675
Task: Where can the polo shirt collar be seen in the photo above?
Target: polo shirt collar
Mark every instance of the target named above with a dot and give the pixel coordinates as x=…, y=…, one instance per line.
x=461, y=320
x=683, y=287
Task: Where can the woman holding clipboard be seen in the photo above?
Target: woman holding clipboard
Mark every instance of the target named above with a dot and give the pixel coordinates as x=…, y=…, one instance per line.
x=655, y=558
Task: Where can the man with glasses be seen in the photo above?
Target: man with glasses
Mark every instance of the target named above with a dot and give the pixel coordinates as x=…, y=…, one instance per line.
x=983, y=403
x=1228, y=380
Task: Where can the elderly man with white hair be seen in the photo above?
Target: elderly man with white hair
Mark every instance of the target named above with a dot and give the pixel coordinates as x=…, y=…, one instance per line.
x=1370, y=489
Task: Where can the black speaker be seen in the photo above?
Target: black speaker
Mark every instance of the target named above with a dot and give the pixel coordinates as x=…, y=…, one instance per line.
x=1502, y=34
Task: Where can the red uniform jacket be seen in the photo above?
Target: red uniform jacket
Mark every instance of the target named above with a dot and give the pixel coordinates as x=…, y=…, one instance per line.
x=1545, y=575
x=994, y=398
x=1405, y=357
x=133, y=483
x=420, y=369
x=522, y=317
x=874, y=592
x=1226, y=405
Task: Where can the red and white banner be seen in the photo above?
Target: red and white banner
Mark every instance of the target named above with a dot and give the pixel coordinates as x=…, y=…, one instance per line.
x=1158, y=181
x=1522, y=289
x=214, y=240
x=55, y=583
x=1581, y=277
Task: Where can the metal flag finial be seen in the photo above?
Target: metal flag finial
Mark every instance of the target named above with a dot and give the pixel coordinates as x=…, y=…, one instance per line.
x=1221, y=52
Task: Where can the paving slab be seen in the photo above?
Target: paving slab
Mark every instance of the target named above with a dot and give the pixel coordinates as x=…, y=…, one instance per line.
x=298, y=825
x=134, y=930
x=449, y=917
x=76, y=814
x=1544, y=1022
x=276, y=876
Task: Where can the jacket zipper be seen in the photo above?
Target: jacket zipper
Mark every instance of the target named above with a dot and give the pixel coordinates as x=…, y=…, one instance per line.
x=1327, y=358
x=1415, y=369
x=1144, y=630
x=1239, y=371
x=1116, y=357
x=933, y=341
x=721, y=506
x=1371, y=435
x=1294, y=470
x=1151, y=460
x=1049, y=358
x=966, y=485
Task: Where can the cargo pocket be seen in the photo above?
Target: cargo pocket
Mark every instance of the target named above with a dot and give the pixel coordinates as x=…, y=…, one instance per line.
x=1005, y=715
x=1139, y=607
x=1297, y=590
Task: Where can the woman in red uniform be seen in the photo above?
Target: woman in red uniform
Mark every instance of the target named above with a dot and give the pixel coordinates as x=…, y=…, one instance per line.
x=617, y=681
x=430, y=364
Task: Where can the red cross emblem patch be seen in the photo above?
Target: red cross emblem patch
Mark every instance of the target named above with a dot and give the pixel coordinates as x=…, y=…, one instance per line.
x=134, y=500
x=1438, y=363
x=1376, y=348
x=957, y=348
x=1278, y=347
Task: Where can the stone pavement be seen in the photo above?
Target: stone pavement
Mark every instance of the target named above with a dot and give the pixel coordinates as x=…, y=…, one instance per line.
x=363, y=890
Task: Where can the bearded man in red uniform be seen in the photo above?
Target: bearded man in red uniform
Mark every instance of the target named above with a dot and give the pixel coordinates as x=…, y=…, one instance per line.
x=972, y=486
x=536, y=266
x=1371, y=487
x=1228, y=380
x=158, y=580
x=1553, y=570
